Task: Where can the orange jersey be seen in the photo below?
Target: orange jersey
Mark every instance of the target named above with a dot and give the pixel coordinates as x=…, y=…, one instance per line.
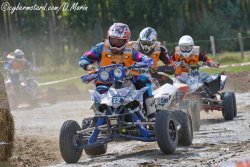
x=18, y=65
x=155, y=55
x=125, y=59
x=192, y=59
x=108, y=58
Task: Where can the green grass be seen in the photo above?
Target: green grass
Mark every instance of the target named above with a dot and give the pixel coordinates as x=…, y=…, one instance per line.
x=226, y=69
x=54, y=76
x=230, y=57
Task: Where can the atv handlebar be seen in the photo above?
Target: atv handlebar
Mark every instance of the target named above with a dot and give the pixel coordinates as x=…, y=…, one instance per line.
x=140, y=67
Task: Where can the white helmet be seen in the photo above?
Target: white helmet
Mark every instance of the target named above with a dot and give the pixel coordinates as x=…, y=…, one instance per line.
x=186, y=44
x=18, y=54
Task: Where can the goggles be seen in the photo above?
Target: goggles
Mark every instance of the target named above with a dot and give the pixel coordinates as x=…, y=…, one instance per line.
x=149, y=43
x=114, y=42
x=186, y=48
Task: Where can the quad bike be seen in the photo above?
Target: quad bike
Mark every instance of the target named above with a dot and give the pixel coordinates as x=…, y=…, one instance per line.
x=27, y=91
x=205, y=93
x=119, y=114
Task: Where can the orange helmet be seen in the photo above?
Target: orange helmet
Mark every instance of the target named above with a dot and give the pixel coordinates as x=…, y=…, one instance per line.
x=118, y=37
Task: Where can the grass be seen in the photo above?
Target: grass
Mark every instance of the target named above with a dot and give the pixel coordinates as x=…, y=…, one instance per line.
x=230, y=57
x=55, y=76
x=226, y=69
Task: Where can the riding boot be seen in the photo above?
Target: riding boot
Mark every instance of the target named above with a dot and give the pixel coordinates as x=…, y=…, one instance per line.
x=150, y=108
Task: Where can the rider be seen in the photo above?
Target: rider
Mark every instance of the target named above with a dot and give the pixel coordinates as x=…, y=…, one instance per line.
x=147, y=44
x=187, y=53
x=18, y=67
x=117, y=49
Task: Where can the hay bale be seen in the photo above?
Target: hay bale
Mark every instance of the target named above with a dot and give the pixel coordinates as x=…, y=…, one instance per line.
x=6, y=124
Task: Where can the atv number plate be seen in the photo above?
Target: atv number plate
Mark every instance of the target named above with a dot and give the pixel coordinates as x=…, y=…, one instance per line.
x=118, y=99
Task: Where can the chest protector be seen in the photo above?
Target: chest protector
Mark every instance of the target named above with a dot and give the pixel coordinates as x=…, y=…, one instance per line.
x=108, y=58
x=155, y=55
x=193, y=58
x=18, y=65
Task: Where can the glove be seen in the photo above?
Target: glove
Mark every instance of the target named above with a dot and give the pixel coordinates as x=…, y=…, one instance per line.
x=213, y=64
x=90, y=69
x=88, y=78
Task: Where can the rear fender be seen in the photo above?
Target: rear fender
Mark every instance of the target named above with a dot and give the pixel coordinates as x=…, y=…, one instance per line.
x=164, y=95
x=223, y=81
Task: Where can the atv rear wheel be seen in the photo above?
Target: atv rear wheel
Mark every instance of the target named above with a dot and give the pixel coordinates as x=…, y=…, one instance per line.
x=235, y=104
x=228, y=106
x=69, y=141
x=185, y=134
x=166, y=131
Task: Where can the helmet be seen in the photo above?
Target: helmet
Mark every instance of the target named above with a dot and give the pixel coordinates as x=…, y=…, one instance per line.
x=18, y=54
x=118, y=37
x=147, y=39
x=186, y=44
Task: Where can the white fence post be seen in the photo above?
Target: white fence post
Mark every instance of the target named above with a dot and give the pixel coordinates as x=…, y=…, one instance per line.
x=241, y=45
x=212, y=45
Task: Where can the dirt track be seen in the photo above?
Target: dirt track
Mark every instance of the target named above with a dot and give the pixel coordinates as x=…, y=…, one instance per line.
x=37, y=132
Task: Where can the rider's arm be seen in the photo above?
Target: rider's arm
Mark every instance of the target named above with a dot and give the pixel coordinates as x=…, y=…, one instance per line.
x=29, y=65
x=164, y=57
x=203, y=57
x=139, y=57
x=7, y=65
x=91, y=56
x=209, y=62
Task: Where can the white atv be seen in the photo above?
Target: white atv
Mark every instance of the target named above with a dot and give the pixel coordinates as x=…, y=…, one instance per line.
x=119, y=114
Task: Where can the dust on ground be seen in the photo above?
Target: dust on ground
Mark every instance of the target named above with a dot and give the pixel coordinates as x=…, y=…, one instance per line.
x=37, y=136
x=238, y=82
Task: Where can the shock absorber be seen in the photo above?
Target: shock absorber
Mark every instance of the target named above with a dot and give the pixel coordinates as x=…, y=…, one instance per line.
x=96, y=131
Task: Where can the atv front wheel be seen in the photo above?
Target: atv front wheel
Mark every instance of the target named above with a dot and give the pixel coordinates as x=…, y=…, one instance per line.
x=228, y=106
x=69, y=141
x=166, y=132
x=185, y=134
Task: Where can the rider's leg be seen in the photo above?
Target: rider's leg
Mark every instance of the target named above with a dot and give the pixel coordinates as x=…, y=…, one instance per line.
x=148, y=98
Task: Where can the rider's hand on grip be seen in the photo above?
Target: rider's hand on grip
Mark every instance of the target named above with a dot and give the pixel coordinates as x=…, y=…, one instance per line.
x=88, y=78
x=213, y=64
x=91, y=69
x=139, y=65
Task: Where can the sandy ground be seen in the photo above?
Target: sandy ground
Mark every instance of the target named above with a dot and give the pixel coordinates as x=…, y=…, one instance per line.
x=37, y=138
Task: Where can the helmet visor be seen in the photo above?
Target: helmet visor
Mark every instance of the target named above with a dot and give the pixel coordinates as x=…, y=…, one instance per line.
x=149, y=43
x=114, y=42
x=186, y=48
x=19, y=56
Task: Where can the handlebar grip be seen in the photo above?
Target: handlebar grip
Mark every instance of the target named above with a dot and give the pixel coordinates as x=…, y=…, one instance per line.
x=88, y=78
